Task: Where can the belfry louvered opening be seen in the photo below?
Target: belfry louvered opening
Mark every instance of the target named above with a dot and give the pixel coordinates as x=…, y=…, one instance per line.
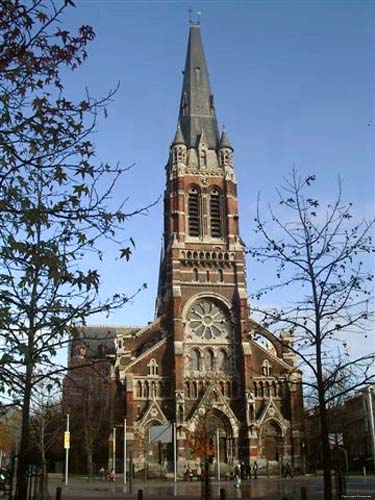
x=194, y=213
x=216, y=214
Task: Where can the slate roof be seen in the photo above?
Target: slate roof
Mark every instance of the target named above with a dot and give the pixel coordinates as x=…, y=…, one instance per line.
x=197, y=111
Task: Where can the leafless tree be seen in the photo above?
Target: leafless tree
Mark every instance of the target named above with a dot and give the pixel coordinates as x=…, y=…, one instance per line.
x=322, y=256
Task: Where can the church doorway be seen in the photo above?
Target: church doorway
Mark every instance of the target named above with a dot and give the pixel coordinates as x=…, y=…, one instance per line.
x=157, y=453
x=271, y=441
x=212, y=438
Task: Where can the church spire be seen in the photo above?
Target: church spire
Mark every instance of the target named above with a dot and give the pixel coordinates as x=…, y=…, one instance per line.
x=197, y=111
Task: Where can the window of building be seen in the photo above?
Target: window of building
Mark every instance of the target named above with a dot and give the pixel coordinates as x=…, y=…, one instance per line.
x=222, y=360
x=194, y=361
x=266, y=368
x=221, y=276
x=208, y=360
x=216, y=214
x=153, y=367
x=194, y=213
x=139, y=389
x=195, y=275
x=146, y=390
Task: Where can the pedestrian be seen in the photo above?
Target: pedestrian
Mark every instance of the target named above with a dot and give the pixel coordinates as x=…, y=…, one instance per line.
x=255, y=469
x=242, y=471
x=237, y=479
x=112, y=476
x=199, y=471
x=288, y=471
x=101, y=473
x=248, y=471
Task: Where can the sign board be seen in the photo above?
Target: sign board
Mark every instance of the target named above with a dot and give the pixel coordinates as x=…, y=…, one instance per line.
x=161, y=433
x=67, y=440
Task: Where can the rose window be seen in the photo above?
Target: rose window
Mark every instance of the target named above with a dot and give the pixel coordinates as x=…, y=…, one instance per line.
x=207, y=320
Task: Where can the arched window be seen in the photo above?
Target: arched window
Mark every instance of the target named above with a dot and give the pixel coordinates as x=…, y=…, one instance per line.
x=194, y=213
x=153, y=389
x=255, y=389
x=180, y=414
x=221, y=276
x=229, y=391
x=208, y=360
x=139, y=389
x=266, y=368
x=216, y=214
x=194, y=361
x=261, y=390
x=195, y=275
x=153, y=367
x=222, y=360
x=146, y=391
x=267, y=389
x=208, y=275
x=187, y=389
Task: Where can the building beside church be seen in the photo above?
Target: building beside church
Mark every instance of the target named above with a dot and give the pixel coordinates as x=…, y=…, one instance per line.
x=203, y=361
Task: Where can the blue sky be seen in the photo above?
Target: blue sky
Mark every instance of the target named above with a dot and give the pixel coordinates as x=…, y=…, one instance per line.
x=293, y=84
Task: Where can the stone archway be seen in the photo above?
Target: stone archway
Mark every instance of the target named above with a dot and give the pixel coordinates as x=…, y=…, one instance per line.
x=271, y=436
x=156, y=454
x=213, y=429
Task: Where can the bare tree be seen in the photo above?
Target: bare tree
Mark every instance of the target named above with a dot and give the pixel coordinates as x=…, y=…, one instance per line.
x=46, y=426
x=57, y=203
x=88, y=399
x=322, y=257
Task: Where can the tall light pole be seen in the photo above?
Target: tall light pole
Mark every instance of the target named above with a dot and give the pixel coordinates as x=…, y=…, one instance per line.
x=175, y=451
x=125, y=451
x=67, y=446
x=371, y=418
x=218, y=452
x=114, y=450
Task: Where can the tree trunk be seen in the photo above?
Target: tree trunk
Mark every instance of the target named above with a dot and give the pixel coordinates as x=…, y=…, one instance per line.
x=89, y=463
x=326, y=451
x=24, y=450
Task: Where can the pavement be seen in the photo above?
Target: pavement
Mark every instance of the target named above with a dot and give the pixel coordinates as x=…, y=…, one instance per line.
x=259, y=489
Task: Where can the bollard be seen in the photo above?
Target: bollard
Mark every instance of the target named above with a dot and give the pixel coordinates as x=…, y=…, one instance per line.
x=303, y=493
x=59, y=493
x=222, y=494
x=140, y=494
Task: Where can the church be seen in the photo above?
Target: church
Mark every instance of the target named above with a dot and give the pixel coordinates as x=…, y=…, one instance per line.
x=203, y=363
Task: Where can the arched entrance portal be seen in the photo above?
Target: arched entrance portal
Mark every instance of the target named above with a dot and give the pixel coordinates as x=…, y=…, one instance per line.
x=212, y=432
x=271, y=441
x=158, y=448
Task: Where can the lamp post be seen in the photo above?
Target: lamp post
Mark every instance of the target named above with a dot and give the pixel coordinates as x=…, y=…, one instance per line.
x=114, y=450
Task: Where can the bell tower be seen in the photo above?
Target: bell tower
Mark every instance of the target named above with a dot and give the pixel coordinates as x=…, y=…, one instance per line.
x=202, y=282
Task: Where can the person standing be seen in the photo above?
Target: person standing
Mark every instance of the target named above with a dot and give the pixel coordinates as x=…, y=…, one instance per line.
x=248, y=471
x=255, y=470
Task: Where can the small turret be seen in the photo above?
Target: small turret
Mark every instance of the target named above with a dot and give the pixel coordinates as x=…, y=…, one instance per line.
x=179, y=147
x=225, y=150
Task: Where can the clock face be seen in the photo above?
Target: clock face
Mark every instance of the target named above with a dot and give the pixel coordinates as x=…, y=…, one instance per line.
x=207, y=320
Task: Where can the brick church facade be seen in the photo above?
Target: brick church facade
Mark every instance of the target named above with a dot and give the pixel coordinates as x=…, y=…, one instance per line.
x=202, y=361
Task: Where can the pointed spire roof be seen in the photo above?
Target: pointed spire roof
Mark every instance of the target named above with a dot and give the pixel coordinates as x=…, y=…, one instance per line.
x=224, y=140
x=178, y=138
x=197, y=110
